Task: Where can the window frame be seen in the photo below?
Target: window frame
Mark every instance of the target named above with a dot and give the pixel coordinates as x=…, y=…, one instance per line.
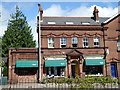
x=83, y=42
x=118, y=45
x=97, y=41
x=51, y=42
x=63, y=44
x=74, y=41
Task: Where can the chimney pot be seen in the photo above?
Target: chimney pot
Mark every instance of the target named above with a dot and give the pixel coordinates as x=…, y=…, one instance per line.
x=41, y=11
x=95, y=14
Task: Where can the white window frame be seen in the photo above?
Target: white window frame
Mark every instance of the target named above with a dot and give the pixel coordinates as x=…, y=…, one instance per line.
x=51, y=41
x=55, y=71
x=97, y=41
x=74, y=41
x=49, y=71
x=85, y=41
x=63, y=43
x=118, y=44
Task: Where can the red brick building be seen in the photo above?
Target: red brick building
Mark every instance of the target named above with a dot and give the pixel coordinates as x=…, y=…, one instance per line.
x=71, y=47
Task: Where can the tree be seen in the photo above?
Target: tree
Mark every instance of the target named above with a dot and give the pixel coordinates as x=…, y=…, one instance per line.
x=18, y=34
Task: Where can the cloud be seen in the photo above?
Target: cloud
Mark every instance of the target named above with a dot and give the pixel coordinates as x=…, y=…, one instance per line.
x=54, y=10
x=33, y=25
x=82, y=11
x=5, y=15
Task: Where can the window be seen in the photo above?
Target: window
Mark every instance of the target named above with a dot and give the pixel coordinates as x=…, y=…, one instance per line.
x=96, y=42
x=93, y=69
x=51, y=42
x=118, y=44
x=69, y=22
x=74, y=42
x=25, y=71
x=51, y=23
x=63, y=42
x=55, y=71
x=85, y=42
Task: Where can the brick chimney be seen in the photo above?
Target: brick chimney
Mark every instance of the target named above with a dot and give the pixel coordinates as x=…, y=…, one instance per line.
x=41, y=11
x=95, y=14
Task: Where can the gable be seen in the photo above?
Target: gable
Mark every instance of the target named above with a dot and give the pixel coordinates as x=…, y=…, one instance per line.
x=74, y=53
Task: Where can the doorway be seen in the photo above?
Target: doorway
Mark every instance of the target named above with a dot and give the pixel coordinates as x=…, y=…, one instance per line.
x=74, y=68
x=114, y=69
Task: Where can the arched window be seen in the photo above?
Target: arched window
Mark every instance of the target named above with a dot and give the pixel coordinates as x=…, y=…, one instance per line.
x=96, y=42
x=85, y=42
x=74, y=42
x=63, y=42
x=51, y=42
x=118, y=44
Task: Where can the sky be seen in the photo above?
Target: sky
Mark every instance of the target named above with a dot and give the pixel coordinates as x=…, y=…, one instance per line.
x=72, y=9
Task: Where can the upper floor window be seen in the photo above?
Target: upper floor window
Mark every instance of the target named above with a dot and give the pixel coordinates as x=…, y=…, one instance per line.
x=85, y=42
x=118, y=44
x=96, y=42
x=51, y=42
x=74, y=42
x=63, y=42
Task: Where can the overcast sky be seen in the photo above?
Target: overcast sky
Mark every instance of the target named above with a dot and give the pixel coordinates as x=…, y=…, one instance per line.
x=30, y=10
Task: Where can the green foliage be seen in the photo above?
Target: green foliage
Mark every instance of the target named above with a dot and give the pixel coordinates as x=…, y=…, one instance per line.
x=5, y=70
x=87, y=82
x=4, y=65
x=18, y=33
x=1, y=63
x=82, y=80
x=0, y=46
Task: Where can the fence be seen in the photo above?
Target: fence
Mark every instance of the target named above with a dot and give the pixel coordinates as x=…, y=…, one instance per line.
x=64, y=83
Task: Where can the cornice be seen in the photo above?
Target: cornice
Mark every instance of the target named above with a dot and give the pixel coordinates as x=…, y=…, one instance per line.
x=74, y=35
x=73, y=27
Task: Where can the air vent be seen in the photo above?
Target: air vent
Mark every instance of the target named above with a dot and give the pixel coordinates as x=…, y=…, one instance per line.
x=51, y=23
x=69, y=23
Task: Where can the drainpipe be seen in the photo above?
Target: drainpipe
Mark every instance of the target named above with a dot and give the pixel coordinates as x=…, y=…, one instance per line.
x=39, y=49
x=102, y=24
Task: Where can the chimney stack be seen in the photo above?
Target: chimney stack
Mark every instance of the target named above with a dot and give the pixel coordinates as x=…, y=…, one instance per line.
x=41, y=11
x=95, y=14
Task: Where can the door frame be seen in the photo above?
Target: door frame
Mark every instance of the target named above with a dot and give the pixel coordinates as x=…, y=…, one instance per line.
x=115, y=69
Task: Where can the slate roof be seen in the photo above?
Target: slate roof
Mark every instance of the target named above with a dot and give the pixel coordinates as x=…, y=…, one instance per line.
x=75, y=20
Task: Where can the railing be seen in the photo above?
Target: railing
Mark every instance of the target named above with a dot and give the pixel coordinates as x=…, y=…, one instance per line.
x=64, y=83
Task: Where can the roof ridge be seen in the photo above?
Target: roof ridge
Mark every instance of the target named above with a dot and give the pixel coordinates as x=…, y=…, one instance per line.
x=65, y=17
x=69, y=17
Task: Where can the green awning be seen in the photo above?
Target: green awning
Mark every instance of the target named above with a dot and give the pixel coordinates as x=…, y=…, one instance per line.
x=26, y=63
x=55, y=63
x=95, y=62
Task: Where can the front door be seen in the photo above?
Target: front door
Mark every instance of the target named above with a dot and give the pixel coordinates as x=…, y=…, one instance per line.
x=74, y=67
x=113, y=70
x=73, y=71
